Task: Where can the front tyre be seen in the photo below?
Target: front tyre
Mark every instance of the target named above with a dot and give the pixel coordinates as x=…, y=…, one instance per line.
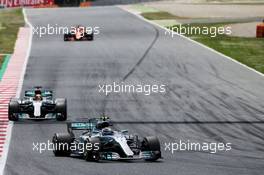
x=13, y=110
x=151, y=143
x=61, y=109
x=92, y=147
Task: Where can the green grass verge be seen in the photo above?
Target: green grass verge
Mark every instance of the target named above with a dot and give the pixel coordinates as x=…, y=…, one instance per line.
x=1, y=61
x=248, y=51
x=143, y=9
x=160, y=16
x=4, y=62
x=10, y=21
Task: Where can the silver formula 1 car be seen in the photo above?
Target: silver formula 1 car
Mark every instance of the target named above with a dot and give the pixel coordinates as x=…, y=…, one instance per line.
x=37, y=103
x=97, y=141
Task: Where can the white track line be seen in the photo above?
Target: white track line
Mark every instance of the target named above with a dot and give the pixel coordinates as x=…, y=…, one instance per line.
x=10, y=125
x=204, y=46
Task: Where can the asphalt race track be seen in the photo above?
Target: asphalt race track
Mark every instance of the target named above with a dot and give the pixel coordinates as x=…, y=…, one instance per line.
x=209, y=98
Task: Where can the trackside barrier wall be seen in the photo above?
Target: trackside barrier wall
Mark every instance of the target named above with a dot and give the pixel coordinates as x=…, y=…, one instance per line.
x=19, y=3
x=260, y=30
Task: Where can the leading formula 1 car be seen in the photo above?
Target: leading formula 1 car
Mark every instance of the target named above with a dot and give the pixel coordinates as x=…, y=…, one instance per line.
x=79, y=34
x=37, y=103
x=97, y=141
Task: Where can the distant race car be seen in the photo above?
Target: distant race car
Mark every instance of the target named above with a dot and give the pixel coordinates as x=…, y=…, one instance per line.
x=37, y=103
x=94, y=140
x=80, y=34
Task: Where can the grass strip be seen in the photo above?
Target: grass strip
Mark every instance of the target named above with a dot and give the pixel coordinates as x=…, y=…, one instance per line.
x=10, y=21
x=248, y=51
x=3, y=64
x=160, y=16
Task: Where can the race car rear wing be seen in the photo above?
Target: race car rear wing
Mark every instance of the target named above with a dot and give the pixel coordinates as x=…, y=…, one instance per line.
x=44, y=93
x=88, y=124
x=81, y=125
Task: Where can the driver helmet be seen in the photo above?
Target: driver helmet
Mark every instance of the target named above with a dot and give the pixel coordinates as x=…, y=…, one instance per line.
x=38, y=97
x=107, y=131
x=80, y=29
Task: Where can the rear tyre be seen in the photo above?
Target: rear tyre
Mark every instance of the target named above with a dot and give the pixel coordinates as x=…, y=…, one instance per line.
x=66, y=37
x=61, y=109
x=13, y=110
x=151, y=143
x=62, y=143
x=92, y=36
x=92, y=149
x=89, y=36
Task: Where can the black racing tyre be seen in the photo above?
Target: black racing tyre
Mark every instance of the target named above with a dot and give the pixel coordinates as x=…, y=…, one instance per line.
x=151, y=143
x=91, y=36
x=92, y=147
x=62, y=143
x=66, y=37
x=61, y=109
x=13, y=110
